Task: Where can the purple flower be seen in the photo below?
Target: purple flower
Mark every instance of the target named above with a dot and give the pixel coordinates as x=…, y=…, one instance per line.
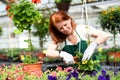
x=107, y=77
x=101, y=77
x=93, y=73
x=75, y=73
x=103, y=72
x=68, y=77
x=52, y=77
x=115, y=72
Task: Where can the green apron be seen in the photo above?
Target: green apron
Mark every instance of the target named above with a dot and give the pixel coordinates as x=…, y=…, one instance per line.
x=73, y=48
x=80, y=46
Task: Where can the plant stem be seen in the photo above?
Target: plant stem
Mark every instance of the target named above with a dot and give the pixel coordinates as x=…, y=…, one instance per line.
x=30, y=44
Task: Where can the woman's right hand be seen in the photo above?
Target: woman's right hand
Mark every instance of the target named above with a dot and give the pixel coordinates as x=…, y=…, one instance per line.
x=68, y=58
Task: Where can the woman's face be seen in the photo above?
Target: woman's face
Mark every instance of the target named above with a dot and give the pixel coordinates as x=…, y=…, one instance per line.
x=64, y=27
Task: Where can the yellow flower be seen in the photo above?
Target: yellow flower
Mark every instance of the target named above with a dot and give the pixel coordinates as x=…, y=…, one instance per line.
x=84, y=62
x=111, y=17
x=22, y=57
x=44, y=51
x=104, y=12
x=100, y=49
x=112, y=9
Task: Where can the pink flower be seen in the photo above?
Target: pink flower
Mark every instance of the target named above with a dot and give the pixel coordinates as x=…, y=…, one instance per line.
x=53, y=74
x=59, y=68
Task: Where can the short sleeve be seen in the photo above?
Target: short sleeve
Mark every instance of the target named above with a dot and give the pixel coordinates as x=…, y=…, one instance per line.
x=85, y=31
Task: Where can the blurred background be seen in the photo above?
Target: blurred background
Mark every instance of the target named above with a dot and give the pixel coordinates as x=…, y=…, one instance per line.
x=8, y=39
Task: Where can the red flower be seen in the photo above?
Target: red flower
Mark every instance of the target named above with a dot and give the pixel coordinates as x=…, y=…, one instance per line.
x=36, y=1
x=7, y=7
x=11, y=1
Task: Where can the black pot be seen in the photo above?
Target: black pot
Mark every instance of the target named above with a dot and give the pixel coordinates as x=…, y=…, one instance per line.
x=103, y=63
x=111, y=63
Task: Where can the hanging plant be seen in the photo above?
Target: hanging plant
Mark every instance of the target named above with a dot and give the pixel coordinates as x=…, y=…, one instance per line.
x=63, y=4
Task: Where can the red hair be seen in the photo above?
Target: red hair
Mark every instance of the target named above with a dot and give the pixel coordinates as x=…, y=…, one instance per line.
x=56, y=17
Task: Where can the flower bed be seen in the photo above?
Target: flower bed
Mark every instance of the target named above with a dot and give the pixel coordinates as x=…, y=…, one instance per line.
x=69, y=73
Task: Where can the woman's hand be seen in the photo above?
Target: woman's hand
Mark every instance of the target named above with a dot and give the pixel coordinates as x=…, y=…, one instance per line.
x=89, y=51
x=68, y=58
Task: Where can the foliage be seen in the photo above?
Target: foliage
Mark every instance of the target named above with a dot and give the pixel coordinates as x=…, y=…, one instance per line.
x=26, y=59
x=24, y=14
x=52, y=60
x=111, y=49
x=41, y=27
x=111, y=58
x=103, y=54
x=110, y=20
x=117, y=59
x=13, y=54
x=60, y=1
x=86, y=65
x=1, y=31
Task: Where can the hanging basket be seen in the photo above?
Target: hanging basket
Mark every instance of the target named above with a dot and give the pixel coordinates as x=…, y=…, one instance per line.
x=64, y=6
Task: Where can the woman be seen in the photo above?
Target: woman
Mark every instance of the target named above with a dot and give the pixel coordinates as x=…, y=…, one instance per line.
x=67, y=38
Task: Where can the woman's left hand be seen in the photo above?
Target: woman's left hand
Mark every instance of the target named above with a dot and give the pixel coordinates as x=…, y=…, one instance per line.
x=89, y=51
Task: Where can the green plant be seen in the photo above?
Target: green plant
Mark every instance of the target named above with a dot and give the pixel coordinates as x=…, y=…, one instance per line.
x=110, y=20
x=117, y=59
x=103, y=54
x=1, y=31
x=13, y=54
x=52, y=60
x=41, y=27
x=86, y=65
x=26, y=59
x=111, y=58
x=111, y=49
x=24, y=15
x=60, y=1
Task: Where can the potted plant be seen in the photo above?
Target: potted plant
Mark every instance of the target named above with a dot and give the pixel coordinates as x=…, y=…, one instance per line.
x=13, y=55
x=24, y=15
x=85, y=66
x=117, y=60
x=63, y=4
x=109, y=20
x=103, y=56
x=111, y=59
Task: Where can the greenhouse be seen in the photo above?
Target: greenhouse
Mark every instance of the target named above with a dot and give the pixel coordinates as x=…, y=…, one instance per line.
x=59, y=39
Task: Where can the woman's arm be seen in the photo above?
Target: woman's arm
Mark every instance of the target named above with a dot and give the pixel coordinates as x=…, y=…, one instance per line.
x=100, y=36
x=51, y=51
